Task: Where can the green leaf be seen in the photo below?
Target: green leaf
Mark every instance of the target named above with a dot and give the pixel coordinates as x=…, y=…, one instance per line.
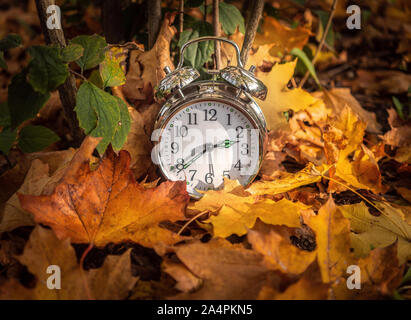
x=98, y=113
x=399, y=107
x=36, y=138
x=47, y=70
x=230, y=18
x=198, y=53
x=300, y=69
x=95, y=78
x=407, y=277
x=72, y=52
x=5, y=119
x=24, y=103
x=3, y=63
x=307, y=62
x=123, y=126
x=93, y=50
x=110, y=70
x=7, y=138
x=9, y=42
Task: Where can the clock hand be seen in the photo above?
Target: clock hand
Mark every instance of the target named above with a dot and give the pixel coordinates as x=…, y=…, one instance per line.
x=185, y=164
x=225, y=143
x=210, y=164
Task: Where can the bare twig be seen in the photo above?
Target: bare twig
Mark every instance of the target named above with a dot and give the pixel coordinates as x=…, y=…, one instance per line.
x=153, y=23
x=112, y=21
x=78, y=74
x=216, y=24
x=251, y=29
x=67, y=90
x=322, y=41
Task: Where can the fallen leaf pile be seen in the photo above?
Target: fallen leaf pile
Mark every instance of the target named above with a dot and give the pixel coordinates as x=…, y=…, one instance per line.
x=333, y=191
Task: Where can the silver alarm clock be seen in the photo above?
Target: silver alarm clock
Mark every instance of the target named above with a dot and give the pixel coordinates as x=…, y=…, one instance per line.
x=209, y=130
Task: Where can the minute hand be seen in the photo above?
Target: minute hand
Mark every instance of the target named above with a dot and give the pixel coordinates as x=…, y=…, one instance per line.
x=193, y=159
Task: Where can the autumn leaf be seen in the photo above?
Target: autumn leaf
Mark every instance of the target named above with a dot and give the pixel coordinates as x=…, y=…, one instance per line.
x=370, y=231
x=112, y=281
x=107, y=204
x=279, y=253
x=332, y=232
x=381, y=274
x=227, y=271
x=230, y=220
x=310, y=174
x=283, y=38
x=279, y=97
x=308, y=287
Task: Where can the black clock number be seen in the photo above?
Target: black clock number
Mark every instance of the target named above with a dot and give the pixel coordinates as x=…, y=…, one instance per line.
x=209, y=178
x=192, y=118
x=228, y=119
x=180, y=164
x=239, y=130
x=245, y=150
x=174, y=147
x=226, y=173
x=212, y=113
x=193, y=173
x=238, y=165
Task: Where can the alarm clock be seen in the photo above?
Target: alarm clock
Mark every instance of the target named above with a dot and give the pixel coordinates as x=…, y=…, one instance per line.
x=210, y=130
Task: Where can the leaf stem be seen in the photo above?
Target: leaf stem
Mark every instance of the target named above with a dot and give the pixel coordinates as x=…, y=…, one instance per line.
x=83, y=276
x=322, y=41
x=78, y=74
x=191, y=220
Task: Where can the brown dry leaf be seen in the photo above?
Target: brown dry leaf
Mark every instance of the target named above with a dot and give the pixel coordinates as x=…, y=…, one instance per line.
x=147, y=68
x=107, y=204
x=388, y=81
x=337, y=98
x=227, y=271
x=186, y=281
x=112, y=281
x=12, y=179
x=371, y=231
x=279, y=253
x=283, y=38
x=380, y=276
x=37, y=182
x=332, y=232
x=279, y=97
x=400, y=133
x=308, y=287
x=139, y=145
x=289, y=181
x=230, y=220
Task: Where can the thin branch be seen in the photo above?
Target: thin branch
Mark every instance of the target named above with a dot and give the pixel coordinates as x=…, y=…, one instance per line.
x=68, y=90
x=216, y=25
x=251, y=29
x=78, y=74
x=322, y=42
x=153, y=21
x=181, y=18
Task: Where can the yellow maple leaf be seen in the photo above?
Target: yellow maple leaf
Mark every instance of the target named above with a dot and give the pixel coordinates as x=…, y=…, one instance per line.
x=370, y=231
x=279, y=97
x=230, y=220
x=332, y=232
x=310, y=174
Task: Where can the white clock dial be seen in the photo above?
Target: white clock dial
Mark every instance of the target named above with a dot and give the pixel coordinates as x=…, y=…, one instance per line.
x=205, y=141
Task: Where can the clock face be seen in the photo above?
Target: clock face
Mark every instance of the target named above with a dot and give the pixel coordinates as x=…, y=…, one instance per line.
x=205, y=141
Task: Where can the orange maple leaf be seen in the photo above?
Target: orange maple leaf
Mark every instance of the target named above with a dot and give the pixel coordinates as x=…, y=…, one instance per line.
x=107, y=204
